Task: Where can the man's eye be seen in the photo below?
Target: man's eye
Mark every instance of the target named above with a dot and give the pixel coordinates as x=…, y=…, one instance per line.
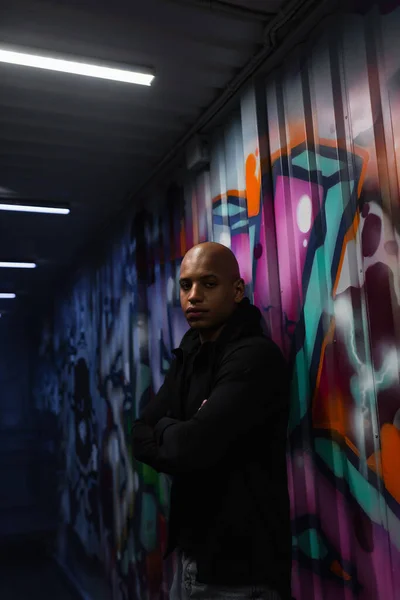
x=185, y=286
x=210, y=284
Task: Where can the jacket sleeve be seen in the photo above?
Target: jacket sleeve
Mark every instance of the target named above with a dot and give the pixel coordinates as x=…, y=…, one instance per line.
x=250, y=389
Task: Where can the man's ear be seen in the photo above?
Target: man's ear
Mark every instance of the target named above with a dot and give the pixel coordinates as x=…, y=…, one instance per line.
x=239, y=290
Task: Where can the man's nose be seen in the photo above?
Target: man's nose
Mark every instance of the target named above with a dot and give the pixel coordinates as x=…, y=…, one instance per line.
x=195, y=294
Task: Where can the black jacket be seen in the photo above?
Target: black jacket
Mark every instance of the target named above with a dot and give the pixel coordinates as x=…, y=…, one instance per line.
x=229, y=498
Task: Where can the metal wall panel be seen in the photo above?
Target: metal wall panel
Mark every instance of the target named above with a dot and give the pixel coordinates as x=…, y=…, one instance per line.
x=303, y=185
x=332, y=115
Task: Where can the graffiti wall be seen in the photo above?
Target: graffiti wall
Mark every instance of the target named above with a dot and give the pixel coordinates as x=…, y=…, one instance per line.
x=303, y=185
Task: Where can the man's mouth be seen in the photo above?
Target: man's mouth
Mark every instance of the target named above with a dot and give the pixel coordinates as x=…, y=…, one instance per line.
x=195, y=313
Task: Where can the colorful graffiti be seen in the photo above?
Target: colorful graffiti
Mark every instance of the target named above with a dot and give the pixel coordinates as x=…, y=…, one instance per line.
x=336, y=388
x=303, y=186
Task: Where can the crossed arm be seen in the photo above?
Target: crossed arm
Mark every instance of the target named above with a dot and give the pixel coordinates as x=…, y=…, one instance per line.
x=246, y=393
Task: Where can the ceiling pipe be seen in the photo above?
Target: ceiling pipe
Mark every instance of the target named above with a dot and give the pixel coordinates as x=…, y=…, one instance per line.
x=290, y=10
x=235, y=10
x=307, y=11
x=296, y=9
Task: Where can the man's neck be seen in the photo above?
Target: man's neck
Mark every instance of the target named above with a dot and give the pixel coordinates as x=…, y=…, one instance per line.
x=211, y=335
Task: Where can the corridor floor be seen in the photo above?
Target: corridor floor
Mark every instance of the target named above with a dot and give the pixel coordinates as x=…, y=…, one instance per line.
x=26, y=573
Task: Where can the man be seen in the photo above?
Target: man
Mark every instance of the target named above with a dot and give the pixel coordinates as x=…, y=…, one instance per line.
x=218, y=425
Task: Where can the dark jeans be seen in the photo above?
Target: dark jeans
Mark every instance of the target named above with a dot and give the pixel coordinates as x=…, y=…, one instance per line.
x=186, y=587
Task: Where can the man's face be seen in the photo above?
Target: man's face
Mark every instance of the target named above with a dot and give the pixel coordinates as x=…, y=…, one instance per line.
x=208, y=293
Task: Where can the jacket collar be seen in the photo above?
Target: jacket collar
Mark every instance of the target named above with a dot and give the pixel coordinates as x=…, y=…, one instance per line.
x=246, y=321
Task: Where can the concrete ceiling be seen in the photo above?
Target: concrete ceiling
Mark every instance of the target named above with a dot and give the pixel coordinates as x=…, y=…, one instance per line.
x=91, y=142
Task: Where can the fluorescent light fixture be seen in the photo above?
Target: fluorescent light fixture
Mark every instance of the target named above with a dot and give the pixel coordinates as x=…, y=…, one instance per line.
x=17, y=265
x=35, y=209
x=77, y=68
x=4, y=296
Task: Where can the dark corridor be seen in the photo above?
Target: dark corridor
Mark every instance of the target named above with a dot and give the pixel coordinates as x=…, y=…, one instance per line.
x=271, y=127
x=27, y=572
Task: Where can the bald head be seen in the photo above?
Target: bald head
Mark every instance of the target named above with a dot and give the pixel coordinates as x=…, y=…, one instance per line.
x=211, y=287
x=216, y=255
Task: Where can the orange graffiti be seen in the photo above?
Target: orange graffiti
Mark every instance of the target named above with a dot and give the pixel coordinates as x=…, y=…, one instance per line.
x=253, y=185
x=182, y=240
x=350, y=235
x=390, y=453
x=374, y=462
x=339, y=571
x=331, y=414
x=235, y=193
x=341, y=144
x=252, y=193
x=327, y=340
